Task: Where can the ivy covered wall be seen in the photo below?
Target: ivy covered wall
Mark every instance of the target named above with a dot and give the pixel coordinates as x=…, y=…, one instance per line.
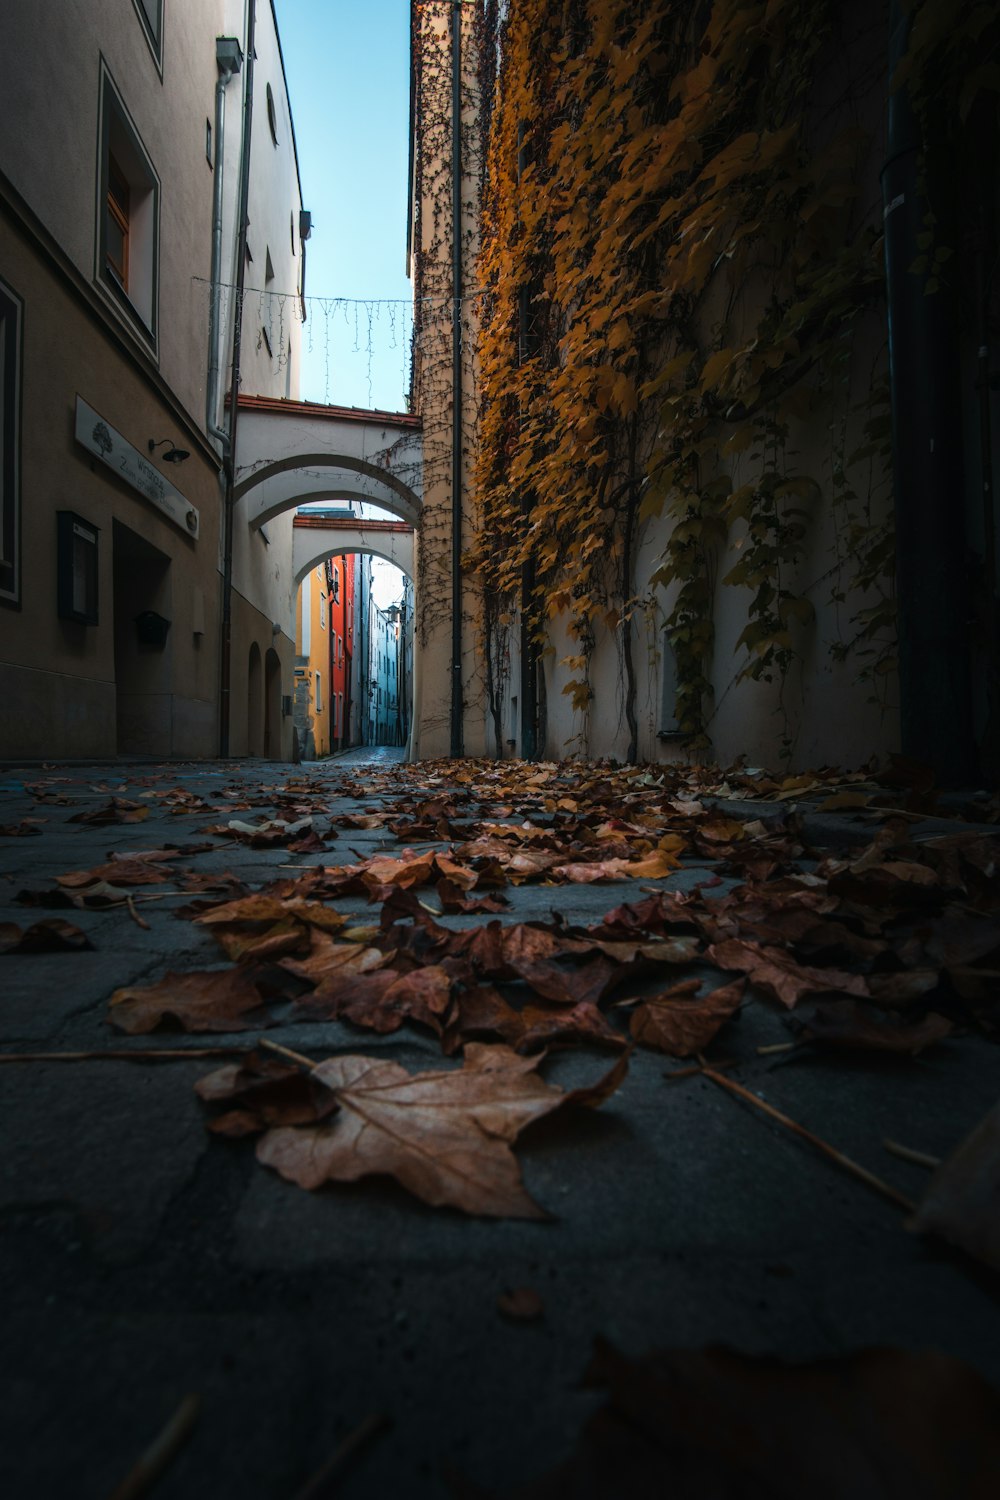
x=683, y=486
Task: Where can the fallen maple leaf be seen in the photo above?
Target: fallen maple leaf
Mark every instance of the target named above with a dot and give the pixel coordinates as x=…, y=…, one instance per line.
x=263, y=909
x=381, y=1000
x=886, y=1423
x=118, y=810
x=52, y=936
x=119, y=872
x=482, y=1011
x=328, y=956
x=202, y=1000
x=776, y=973
x=654, y=867
x=444, y=1136
x=962, y=1200
x=845, y=1023
x=264, y=1091
x=681, y=1025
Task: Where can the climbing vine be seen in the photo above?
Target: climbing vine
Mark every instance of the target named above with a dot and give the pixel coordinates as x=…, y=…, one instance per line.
x=677, y=271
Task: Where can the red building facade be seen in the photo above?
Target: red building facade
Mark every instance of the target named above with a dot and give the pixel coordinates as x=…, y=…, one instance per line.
x=340, y=574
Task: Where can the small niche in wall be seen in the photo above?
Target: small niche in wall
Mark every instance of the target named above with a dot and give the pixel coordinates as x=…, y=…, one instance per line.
x=76, y=568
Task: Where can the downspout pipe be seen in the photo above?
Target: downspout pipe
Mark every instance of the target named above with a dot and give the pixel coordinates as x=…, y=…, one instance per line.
x=229, y=60
x=932, y=590
x=225, y=685
x=457, y=738
x=529, y=651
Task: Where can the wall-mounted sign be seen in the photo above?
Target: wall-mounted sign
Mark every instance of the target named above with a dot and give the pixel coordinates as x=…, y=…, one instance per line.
x=101, y=439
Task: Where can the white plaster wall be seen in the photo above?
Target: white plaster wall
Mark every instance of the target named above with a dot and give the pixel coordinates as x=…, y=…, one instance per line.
x=275, y=202
x=262, y=563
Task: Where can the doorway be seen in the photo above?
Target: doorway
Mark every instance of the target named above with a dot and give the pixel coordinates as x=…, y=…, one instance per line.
x=255, y=702
x=141, y=585
x=272, y=706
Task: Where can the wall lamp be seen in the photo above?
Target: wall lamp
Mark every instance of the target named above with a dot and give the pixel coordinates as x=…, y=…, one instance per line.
x=173, y=455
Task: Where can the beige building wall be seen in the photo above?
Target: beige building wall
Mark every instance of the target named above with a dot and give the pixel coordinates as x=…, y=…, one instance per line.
x=72, y=688
x=263, y=600
x=69, y=75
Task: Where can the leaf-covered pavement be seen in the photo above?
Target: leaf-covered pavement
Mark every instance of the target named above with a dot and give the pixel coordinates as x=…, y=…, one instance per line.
x=404, y=926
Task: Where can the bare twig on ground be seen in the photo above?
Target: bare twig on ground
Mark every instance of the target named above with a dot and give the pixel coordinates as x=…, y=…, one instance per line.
x=159, y=1454
x=139, y=921
x=295, y=1057
x=122, y=1054
x=318, y=1486
x=900, y=1200
x=906, y=1153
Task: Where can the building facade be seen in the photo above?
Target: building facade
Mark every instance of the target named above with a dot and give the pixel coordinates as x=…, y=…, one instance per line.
x=121, y=164
x=341, y=578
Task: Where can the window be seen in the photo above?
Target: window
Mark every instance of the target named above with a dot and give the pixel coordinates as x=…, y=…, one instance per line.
x=116, y=229
x=322, y=610
x=336, y=585
x=11, y=318
x=150, y=13
x=319, y=693
x=271, y=118
x=76, y=576
x=129, y=214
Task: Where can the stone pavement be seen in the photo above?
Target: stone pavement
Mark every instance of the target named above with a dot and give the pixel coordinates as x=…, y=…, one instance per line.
x=143, y=1259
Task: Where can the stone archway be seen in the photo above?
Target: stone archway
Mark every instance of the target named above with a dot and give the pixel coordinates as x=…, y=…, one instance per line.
x=296, y=454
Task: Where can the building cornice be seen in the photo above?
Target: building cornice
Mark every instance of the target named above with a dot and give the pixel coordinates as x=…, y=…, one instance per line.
x=281, y=405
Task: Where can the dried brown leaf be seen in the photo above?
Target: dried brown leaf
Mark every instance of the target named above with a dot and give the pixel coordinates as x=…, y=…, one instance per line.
x=444, y=1136
x=202, y=1000
x=962, y=1200
x=50, y=936
x=845, y=1023
x=682, y=1025
x=776, y=973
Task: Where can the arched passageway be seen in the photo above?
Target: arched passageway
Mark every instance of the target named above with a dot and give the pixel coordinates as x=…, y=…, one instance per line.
x=294, y=454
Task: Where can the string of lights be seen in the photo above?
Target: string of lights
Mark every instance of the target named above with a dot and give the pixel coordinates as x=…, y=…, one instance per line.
x=444, y=299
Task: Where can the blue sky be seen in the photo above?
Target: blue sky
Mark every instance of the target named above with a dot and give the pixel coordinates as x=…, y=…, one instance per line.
x=348, y=68
x=347, y=63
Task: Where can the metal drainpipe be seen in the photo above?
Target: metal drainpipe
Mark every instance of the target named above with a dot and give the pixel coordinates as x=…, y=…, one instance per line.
x=934, y=671
x=457, y=745
x=529, y=656
x=225, y=682
x=229, y=60
x=984, y=163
